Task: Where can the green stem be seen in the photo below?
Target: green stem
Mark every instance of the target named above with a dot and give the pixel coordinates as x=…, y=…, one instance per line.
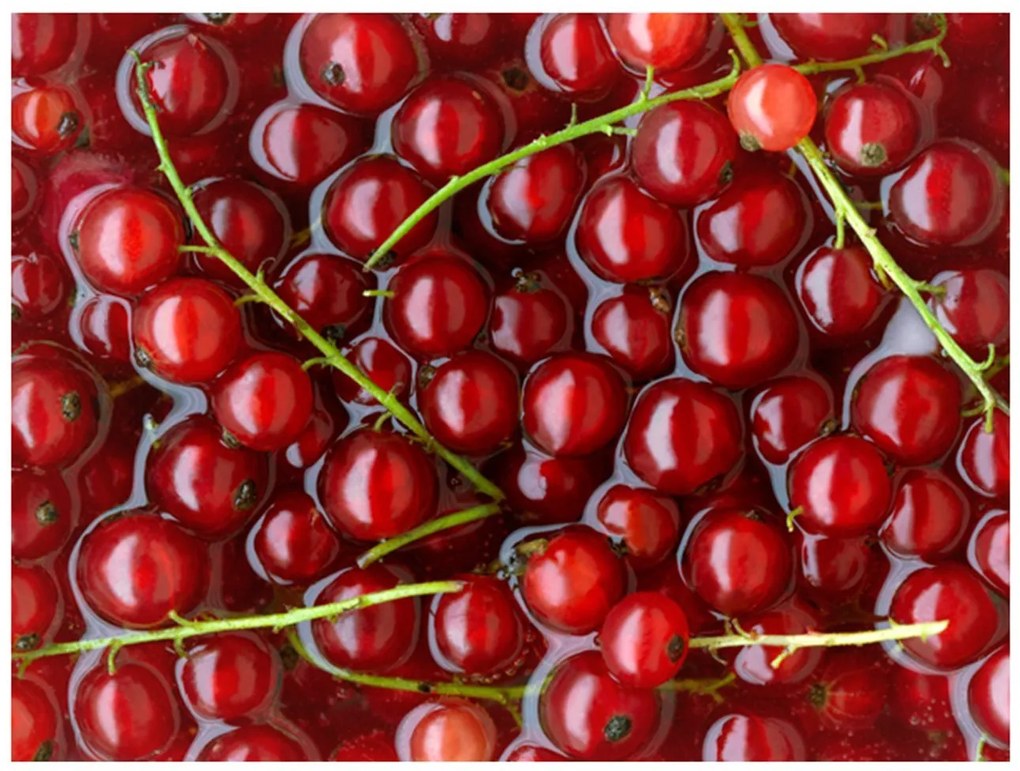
x=185, y=628
x=884, y=262
x=792, y=642
x=436, y=525
x=266, y=295
x=599, y=125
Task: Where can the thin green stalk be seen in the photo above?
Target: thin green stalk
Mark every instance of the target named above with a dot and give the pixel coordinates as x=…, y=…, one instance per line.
x=792, y=642
x=845, y=210
x=261, y=290
x=185, y=628
x=436, y=525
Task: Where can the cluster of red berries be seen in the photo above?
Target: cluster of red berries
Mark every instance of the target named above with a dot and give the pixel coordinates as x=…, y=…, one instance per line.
x=649, y=339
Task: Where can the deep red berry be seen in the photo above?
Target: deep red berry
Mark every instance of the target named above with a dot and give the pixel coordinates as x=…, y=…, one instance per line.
x=744, y=736
x=832, y=566
x=24, y=190
x=760, y=665
x=469, y=403
x=573, y=404
x=928, y=518
x=948, y=196
x=849, y=690
x=230, y=677
x=326, y=290
x=644, y=639
x=38, y=286
x=192, y=82
x=263, y=401
x=56, y=409
x=983, y=457
x=447, y=126
x=40, y=43
x=131, y=714
x=839, y=292
x=634, y=328
x=646, y=525
x=789, y=413
x=478, y=630
x=572, y=579
x=460, y=38
x=376, y=484
x=372, y=639
x=663, y=41
x=772, y=107
x=293, y=543
x=921, y=700
x=546, y=490
x=360, y=62
x=451, y=730
x=45, y=119
x=35, y=722
x=135, y=568
x=384, y=365
x=736, y=329
x=529, y=320
x=366, y=203
x=871, y=128
x=533, y=200
x=683, y=152
x=974, y=308
x=248, y=221
x=737, y=561
x=759, y=220
x=253, y=743
x=208, y=485
x=304, y=142
x=682, y=435
x=909, y=406
x=42, y=513
x=953, y=593
x=440, y=303
x=989, y=550
x=590, y=716
x=376, y=745
x=828, y=36
x=104, y=326
x=34, y=599
x=568, y=52
x=186, y=330
x=626, y=236
x=988, y=697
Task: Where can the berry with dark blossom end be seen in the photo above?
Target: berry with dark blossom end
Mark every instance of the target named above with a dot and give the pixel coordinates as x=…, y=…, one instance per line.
x=45, y=119
x=772, y=107
x=871, y=128
x=35, y=722
x=634, y=328
x=645, y=525
x=34, y=606
x=644, y=639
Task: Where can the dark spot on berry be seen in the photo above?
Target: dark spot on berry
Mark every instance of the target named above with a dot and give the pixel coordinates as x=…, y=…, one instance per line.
x=47, y=514
x=750, y=143
x=246, y=495
x=726, y=173
x=334, y=333
x=68, y=124
x=218, y=19
x=515, y=78
x=873, y=154
x=675, y=648
x=425, y=375
x=27, y=642
x=142, y=358
x=816, y=695
x=617, y=729
x=333, y=74
x=70, y=406
x=289, y=657
x=230, y=440
x=44, y=753
x=424, y=688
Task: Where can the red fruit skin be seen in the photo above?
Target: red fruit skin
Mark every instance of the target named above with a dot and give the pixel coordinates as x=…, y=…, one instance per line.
x=529, y=320
x=634, y=328
x=447, y=731
x=833, y=566
x=928, y=518
x=135, y=568
x=254, y=743
x=34, y=606
x=644, y=639
x=871, y=128
x=384, y=364
x=478, y=630
x=989, y=550
x=573, y=404
x=326, y=291
x=744, y=736
x=568, y=52
x=663, y=40
x=952, y=592
x=35, y=722
x=41, y=43
x=849, y=690
x=789, y=413
x=988, y=697
x=736, y=561
x=921, y=700
x=376, y=485
x=293, y=543
x=589, y=716
x=230, y=677
x=460, y=38
x=373, y=639
x=974, y=308
x=42, y=513
x=376, y=745
x=772, y=107
x=571, y=584
x=754, y=664
x=45, y=119
x=645, y=525
x=662, y=449
x=38, y=285
x=105, y=328
x=527, y=753
x=839, y=293
x=828, y=36
x=983, y=457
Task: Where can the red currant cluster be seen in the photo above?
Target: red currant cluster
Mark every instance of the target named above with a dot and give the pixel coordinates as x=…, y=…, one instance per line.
x=464, y=387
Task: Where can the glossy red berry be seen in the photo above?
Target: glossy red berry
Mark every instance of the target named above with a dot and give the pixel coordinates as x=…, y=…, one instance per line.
x=447, y=731
x=42, y=513
x=839, y=292
x=35, y=722
x=572, y=579
x=948, y=196
x=208, y=485
x=921, y=700
x=56, y=408
x=529, y=320
x=755, y=663
x=376, y=745
x=186, y=330
x=478, y=630
x=34, y=600
x=529, y=753
x=736, y=329
x=376, y=484
x=38, y=285
x=45, y=119
x=24, y=190
x=683, y=152
x=682, y=435
x=40, y=43
x=760, y=220
x=928, y=518
x=534, y=200
x=828, y=36
x=130, y=714
x=663, y=41
x=440, y=303
x=590, y=716
x=460, y=38
x=372, y=639
x=573, y=404
x=469, y=403
x=645, y=525
x=254, y=743
x=634, y=328
x=744, y=736
x=293, y=543
x=230, y=677
x=626, y=236
x=568, y=52
x=360, y=62
x=983, y=457
x=909, y=406
x=737, y=561
x=263, y=401
x=989, y=550
x=104, y=325
x=833, y=566
x=772, y=107
x=544, y=489
x=988, y=697
x=871, y=128
x=326, y=290
x=644, y=639
x=974, y=307
x=849, y=690
x=789, y=413
x=383, y=363
x=135, y=568
x=368, y=200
